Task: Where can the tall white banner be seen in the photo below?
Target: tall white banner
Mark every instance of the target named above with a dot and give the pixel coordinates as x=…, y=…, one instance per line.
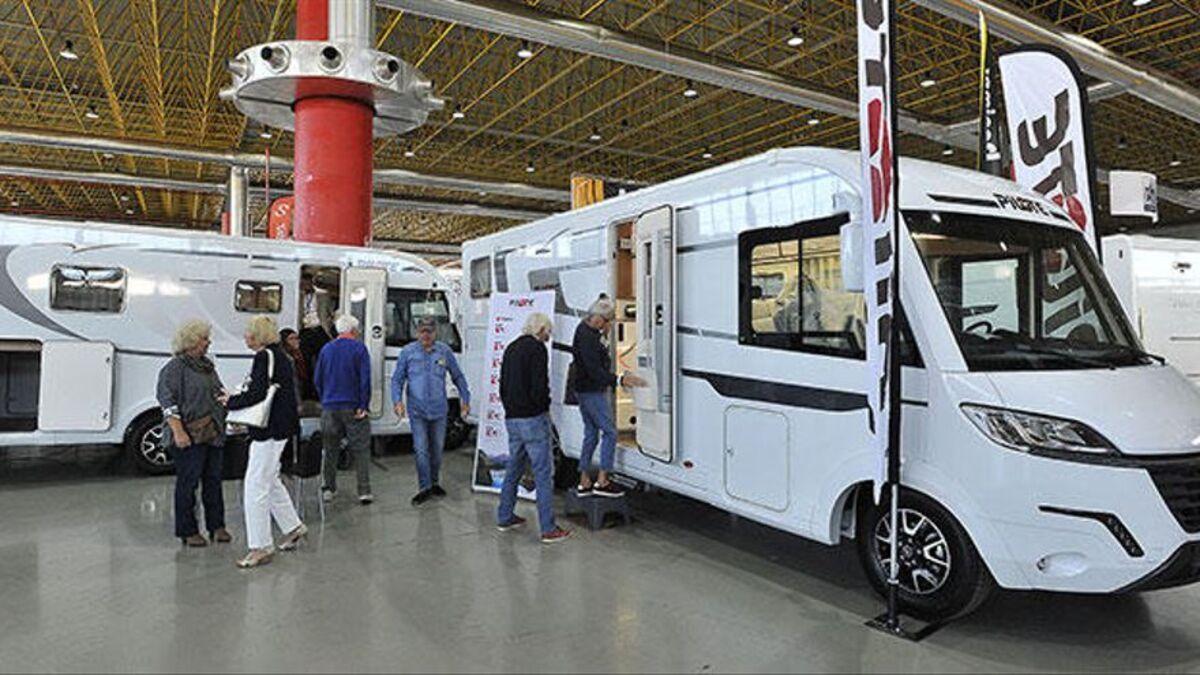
x=879, y=166
x=506, y=317
x=1048, y=126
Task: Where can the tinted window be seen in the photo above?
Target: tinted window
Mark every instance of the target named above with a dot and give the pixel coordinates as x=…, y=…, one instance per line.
x=481, y=277
x=406, y=307
x=87, y=289
x=258, y=297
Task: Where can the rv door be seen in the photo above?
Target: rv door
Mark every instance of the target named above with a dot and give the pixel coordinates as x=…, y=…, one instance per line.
x=76, y=386
x=654, y=239
x=364, y=292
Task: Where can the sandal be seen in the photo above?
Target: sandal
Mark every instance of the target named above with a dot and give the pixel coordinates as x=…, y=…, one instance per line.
x=292, y=540
x=255, y=558
x=194, y=541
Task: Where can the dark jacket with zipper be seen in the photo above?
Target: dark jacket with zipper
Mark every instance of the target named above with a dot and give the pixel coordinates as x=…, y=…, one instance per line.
x=284, y=421
x=593, y=364
x=524, y=381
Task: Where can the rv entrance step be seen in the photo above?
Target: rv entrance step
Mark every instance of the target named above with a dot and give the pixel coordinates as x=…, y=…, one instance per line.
x=596, y=509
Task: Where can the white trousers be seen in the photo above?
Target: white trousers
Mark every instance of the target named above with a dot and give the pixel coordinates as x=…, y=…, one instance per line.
x=265, y=496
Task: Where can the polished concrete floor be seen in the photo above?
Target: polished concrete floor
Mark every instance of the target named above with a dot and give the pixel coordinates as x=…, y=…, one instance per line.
x=92, y=580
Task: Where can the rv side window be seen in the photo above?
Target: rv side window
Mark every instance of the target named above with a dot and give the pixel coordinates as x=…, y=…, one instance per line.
x=258, y=297
x=792, y=296
x=481, y=277
x=87, y=289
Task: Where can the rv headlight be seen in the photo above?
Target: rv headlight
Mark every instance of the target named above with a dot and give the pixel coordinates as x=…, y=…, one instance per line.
x=1031, y=433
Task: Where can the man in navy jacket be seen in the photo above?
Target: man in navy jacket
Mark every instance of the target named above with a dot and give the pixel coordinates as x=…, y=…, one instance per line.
x=343, y=380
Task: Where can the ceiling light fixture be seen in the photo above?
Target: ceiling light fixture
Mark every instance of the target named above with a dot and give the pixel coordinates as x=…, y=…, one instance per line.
x=91, y=113
x=525, y=52
x=68, y=51
x=1122, y=143
x=410, y=153
x=929, y=80
x=707, y=154
x=595, y=137
x=124, y=198
x=814, y=122
x=458, y=114
x=129, y=212
x=109, y=155
x=947, y=151
x=265, y=134
x=1175, y=161
x=1141, y=3
x=14, y=203
x=796, y=39
x=690, y=91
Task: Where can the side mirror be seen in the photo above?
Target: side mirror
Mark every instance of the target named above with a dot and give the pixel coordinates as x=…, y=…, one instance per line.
x=756, y=292
x=851, y=236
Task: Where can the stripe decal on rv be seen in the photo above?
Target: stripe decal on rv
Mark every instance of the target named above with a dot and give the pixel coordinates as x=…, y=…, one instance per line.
x=794, y=395
x=12, y=299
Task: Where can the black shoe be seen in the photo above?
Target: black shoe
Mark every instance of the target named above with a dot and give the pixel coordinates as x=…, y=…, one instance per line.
x=611, y=490
x=422, y=497
x=437, y=491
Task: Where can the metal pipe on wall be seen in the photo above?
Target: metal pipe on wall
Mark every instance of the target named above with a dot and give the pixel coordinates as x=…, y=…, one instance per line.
x=238, y=198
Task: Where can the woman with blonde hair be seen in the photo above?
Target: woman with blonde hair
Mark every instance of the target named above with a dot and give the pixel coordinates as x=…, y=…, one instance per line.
x=189, y=393
x=265, y=496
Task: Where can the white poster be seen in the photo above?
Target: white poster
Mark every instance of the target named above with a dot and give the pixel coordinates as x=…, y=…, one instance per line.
x=876, y=117
x=1046, y=102
x=507, y=313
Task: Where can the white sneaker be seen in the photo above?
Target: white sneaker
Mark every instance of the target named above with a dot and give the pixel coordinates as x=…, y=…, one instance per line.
x=328, y=495
x=366, y=499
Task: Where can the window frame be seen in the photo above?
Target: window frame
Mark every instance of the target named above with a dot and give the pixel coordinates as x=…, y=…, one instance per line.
x=487, y=265
x=88, y=268
x=259, y=286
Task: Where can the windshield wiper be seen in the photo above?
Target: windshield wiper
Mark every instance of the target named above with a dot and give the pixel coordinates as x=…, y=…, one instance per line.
x=1139, y=353
x=1021, y=343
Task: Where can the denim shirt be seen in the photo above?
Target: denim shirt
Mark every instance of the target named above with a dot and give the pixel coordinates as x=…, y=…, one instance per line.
x=425, y=374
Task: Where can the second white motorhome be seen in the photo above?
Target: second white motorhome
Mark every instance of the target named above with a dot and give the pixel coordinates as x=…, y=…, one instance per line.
x=1043, y=449
x=87, y=313
x=1157, y=281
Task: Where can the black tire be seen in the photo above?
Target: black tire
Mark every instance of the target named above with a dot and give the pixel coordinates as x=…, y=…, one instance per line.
x=938, y=581
x=143, y=448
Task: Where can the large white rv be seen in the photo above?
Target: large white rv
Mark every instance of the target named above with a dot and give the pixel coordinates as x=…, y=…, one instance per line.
x=1157, y=281
x=1042, y=448
x=87, y=313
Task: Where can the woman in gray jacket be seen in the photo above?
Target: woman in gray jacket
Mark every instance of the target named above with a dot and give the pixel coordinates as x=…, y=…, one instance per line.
x=188, y=393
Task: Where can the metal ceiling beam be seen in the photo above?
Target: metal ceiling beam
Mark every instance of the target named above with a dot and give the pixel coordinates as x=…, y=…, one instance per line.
x=252, y=161
x=418, y=247
x=202, y=187
x=528, y=23
x=1148, y=84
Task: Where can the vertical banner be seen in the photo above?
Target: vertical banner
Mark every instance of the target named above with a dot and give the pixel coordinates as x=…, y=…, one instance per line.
x=877, y=124
x=279, y=219
x=506, y=317
x=1045, y=98
x=993, y=135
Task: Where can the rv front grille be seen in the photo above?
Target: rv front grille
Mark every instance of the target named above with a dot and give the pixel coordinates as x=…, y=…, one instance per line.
x=1179, y=484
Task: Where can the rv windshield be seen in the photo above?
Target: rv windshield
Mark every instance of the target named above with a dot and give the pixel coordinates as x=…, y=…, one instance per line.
x=1022, y=296
x=407, y=306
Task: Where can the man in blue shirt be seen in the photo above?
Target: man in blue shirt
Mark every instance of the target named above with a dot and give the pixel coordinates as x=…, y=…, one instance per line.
x=423, y=366
x=343, y=380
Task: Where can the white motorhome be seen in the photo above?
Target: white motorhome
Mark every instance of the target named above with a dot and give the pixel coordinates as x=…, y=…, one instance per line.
x=1157, y=281
x=1042, y=448
x=87, y=312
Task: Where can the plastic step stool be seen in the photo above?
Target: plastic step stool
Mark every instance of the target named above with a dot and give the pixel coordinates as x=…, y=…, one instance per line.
x=596, y=509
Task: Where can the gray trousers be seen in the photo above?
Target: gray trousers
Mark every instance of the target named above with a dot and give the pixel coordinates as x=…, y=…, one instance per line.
x=340, y=424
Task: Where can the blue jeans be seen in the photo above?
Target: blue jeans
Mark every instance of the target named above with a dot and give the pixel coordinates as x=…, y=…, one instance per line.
x=198, y=465
x=429, y=437
x=597, y=419
x=529, y=443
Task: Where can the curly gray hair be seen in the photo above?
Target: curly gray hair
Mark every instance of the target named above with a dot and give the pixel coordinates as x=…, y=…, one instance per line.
x=189, y=334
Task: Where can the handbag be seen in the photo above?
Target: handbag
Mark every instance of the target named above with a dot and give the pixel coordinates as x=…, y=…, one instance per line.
x=259, y=414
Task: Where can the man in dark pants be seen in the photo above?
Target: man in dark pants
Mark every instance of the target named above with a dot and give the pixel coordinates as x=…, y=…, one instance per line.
x=525, y=393
x=594, y=381
x=343, y=379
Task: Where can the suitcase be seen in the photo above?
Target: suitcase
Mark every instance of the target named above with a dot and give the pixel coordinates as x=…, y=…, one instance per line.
x=302, y=458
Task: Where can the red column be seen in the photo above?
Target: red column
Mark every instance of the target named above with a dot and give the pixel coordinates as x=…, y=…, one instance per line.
x=333, y=149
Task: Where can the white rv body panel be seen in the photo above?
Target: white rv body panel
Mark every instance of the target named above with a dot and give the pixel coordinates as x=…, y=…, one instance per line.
x=1158, y=283
x=805, y=413
x=171, y=276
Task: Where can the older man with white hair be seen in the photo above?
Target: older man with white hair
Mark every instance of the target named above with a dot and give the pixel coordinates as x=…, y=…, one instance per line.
x=343, y=380
x=525, y=393
x=594, y=381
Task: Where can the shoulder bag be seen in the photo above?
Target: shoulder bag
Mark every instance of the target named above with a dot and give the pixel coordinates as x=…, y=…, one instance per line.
x=259, y=414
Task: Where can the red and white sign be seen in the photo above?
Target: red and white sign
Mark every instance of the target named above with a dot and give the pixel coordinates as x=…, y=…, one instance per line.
x=879, y=194
x=279, y=222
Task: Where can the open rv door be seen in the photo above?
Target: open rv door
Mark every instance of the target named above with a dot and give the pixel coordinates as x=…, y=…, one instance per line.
x=76, y=386
x=654, y=239
x=364, y=292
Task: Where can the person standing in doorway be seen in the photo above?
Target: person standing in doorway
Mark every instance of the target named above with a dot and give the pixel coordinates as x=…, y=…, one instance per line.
x=265, y=497
x=594, y=381
x=189, y=393
x=525, y=393
x=422, y=366
x=343, y=381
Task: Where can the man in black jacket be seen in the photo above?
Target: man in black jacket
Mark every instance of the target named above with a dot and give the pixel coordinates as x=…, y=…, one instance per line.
x=525, y=393
x=593, y=381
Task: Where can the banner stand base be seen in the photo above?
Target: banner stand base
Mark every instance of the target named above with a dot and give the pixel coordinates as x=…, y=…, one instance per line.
x=915, y=631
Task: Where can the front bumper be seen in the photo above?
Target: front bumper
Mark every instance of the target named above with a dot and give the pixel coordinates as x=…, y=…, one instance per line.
x=1181, y=569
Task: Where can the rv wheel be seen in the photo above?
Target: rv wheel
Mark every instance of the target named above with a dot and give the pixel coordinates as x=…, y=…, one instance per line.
x=941, y=574
x=143, y=445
